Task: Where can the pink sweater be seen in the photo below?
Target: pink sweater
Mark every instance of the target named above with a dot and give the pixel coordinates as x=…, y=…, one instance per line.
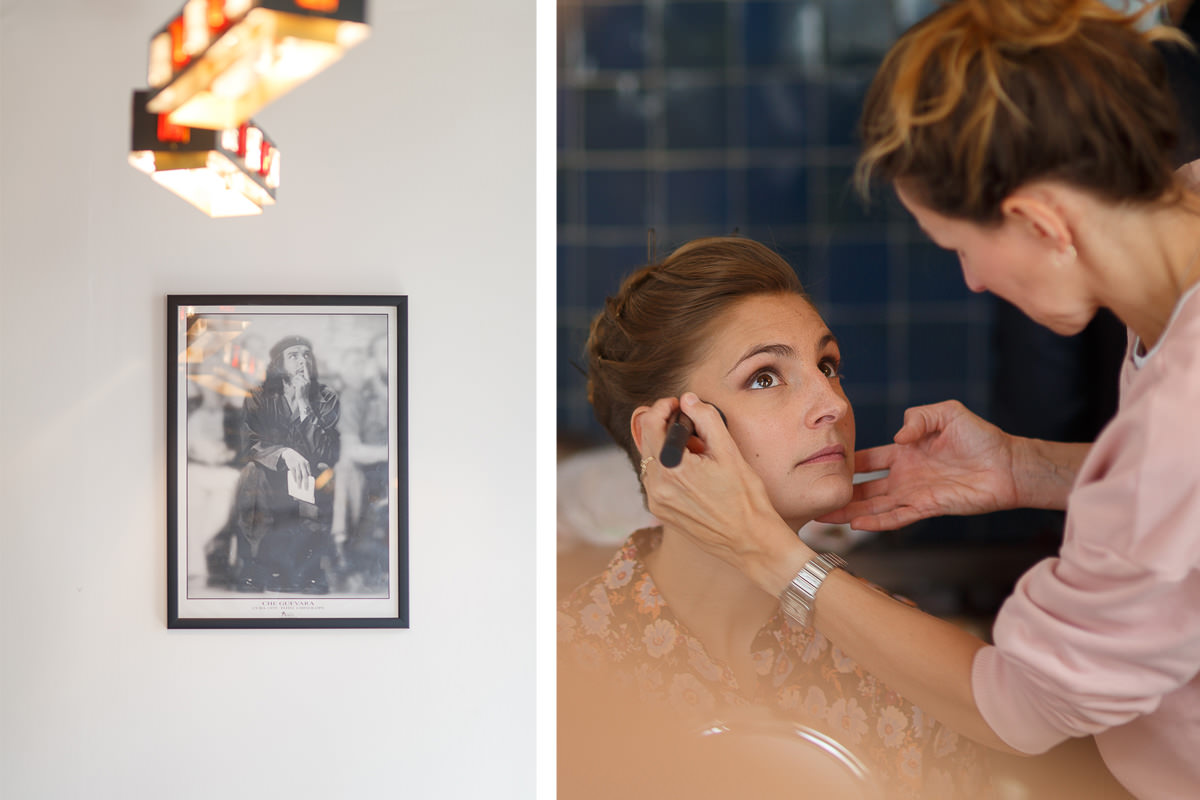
x=1105, y=638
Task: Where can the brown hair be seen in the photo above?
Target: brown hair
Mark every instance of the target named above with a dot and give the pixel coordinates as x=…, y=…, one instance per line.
x=650, y=335
x=984, y=96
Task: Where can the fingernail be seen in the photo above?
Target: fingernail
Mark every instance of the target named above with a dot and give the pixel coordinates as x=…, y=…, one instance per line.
x=689, y=398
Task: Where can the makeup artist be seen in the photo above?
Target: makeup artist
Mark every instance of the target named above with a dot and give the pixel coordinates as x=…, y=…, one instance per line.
x=1033, y=138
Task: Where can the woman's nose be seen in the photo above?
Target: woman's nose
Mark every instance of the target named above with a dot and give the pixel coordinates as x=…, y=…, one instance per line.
x=828, y=403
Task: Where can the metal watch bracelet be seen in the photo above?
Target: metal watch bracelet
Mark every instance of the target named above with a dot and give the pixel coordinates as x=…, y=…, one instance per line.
x=799, y=596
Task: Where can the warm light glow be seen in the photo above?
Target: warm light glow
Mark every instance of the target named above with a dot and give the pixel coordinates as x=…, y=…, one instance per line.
x=142, y=160
x=207, y=338
x=160, y=70
x=195, y=26
x=168, y=132
x=220, y=172
x=235, y=8
x=327, y=6
x=179, y=56
x=262, y=55
x=253, y=154
x=209, y=191
x=209, y=181
x=273, y=169
x=216, y=15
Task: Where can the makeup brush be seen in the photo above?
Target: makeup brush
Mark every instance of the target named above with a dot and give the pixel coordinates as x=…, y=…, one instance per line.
x=679, y=430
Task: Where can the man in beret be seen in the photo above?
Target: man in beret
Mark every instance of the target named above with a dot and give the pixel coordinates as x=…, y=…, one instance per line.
x=283, y=505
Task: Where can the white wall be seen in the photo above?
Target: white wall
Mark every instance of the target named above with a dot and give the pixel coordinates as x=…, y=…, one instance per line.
x=408, y=168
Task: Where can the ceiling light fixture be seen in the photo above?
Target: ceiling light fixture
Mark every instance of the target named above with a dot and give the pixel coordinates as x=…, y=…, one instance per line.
x=226, y=173
x=220, y=61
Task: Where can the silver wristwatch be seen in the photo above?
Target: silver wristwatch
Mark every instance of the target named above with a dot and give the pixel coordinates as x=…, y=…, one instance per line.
x=799, y=595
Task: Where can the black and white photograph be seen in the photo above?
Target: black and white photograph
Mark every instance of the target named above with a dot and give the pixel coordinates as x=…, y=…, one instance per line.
x=287, y=489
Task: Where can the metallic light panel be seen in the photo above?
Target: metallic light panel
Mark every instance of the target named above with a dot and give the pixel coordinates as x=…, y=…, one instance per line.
x=226, y=173
x=220, y=61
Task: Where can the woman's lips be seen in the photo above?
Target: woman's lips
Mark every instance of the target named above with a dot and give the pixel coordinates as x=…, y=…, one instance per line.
x=832, y=453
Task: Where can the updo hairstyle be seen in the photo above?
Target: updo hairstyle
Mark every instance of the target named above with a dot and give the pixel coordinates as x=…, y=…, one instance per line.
x=650, y=335
x=984, y=96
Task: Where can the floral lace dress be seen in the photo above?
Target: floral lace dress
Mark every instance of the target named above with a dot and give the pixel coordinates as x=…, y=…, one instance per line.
x=619, y=624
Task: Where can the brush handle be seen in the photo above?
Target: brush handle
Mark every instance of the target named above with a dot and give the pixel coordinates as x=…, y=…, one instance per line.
x=678, y=432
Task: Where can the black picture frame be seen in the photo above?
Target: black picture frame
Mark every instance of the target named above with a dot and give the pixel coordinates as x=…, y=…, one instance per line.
x=287, y=461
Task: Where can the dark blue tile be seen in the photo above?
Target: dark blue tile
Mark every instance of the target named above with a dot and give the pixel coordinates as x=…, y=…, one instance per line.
x=777, y=195
x=859, y=32
x=567, y=117
x=935, y=391
x=614, y=119
x=568, y=23
x=797, y=254
x=614, y=37
x=698, y=197
x=616, y=197
x=864, y=348
x=777, y=114
x=782, y=34
x=858, y=272
x=571, y=341
x=872, y=421
x=696, y=117
x=563, y=195
x=605, y=267
x=934, y=275
x=569, y=276
x=694, y=35
x=845, y=208
x=911, y=12
x=845, y=100
x=811, y=263
x=937, y=352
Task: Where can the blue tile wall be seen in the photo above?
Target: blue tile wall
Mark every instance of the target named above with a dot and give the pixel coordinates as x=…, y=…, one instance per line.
x=709, y=116
x=778, y=113
x=615, y=37
x=694, y=35
x=696, y=117
x=614, y=119
x=698, y=197
x=781, y=34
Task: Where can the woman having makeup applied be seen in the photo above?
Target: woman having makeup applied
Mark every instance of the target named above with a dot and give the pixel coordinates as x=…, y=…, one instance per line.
x=1034, y=140
x=682, y=632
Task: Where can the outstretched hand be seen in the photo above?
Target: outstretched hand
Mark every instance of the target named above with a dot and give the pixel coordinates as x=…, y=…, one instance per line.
x=945, y=461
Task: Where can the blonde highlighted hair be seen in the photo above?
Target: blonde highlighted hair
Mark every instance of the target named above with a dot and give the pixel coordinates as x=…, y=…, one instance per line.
x=984, y=96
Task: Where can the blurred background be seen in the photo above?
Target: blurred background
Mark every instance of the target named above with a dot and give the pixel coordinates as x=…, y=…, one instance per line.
x=706, y=117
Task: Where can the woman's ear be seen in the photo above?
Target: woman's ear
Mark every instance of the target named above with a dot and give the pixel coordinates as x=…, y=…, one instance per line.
x=1038, y=213
x=635, y=425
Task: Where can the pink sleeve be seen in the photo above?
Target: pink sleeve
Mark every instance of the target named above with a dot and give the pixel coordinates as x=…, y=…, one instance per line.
x=1097, y=637
x=1076, y=658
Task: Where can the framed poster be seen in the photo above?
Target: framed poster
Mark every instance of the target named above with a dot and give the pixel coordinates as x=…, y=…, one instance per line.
x=287, y=461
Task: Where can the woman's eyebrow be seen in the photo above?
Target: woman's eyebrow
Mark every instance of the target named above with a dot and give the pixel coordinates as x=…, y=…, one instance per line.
x=778, y=350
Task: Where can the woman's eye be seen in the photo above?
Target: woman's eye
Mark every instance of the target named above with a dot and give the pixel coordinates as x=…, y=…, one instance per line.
x=830, y=368
x=764, y=380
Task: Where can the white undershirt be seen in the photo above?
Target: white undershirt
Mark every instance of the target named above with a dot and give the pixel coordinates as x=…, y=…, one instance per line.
x=1140, y=357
